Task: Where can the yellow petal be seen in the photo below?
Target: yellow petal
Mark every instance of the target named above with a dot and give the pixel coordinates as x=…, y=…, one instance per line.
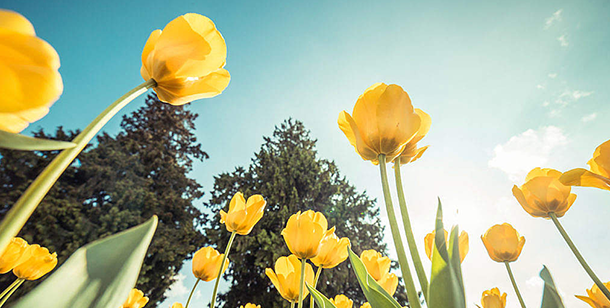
x=181, y=91
x=352, y=132
x=582, y=177
x=149, y=47
x=397, y=123
x=18, y=121
x=16, y=22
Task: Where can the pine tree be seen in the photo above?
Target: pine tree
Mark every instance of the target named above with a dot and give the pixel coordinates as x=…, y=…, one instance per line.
x=117, y=184
x=291, y=177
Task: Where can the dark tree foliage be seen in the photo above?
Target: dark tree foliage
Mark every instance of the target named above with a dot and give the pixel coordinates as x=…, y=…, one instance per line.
x=291, y=177
x=119, y=183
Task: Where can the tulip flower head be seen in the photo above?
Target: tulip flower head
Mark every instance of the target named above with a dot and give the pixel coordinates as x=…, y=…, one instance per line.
x=599, y=176
x=206, y=263
x=287, y=277
x=242, y=215
x=35, y=263
x=462, y=239
x=341, y=301
x=29, y=80
x=304, y=233
x=136, y=299
x=376, y=264
x=493, y=299
x=383, y=122
x=503, y=243
x=389, y=282
x=177, y=305
x=248, y=305
x=15, y=252
x=596, y=298
x=543, y=193
x=186, y=60
x=333, y=251
x=411, y=152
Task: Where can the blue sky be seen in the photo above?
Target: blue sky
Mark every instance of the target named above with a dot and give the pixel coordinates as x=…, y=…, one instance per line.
x=509, y=86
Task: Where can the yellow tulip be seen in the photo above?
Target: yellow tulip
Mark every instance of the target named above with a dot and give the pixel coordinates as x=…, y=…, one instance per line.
x=596, y=298
x=136, y=299
x=599, y=176
x=242, y=215
x=287, y=276
x=35, y=263
x=382, y=122
x=29, y=80
x=14, y=253
x=411, y=152
x=206, y=263
x=186, y=60
x=333, y=251
x=366, y=305
x=503, y=243
x=248, y=305
x=463, y=242
x=341, y=301
x=177, y=305
x=493, y=299
x=543, y=193
x=376, y=264
x=304, y=233
x=389, y=282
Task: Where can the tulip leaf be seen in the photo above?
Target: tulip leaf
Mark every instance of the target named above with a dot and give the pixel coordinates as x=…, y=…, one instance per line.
x=98, y=275
x=374, y=293
x=14, y=141
x=446, y=284
x=550, y=296
x=321, y=300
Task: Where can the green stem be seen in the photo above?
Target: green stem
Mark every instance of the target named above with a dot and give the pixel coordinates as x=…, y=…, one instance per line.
x=292, y=304
x=400, y=250
x=6, y=297
x=224, y=259
x=419, y=268
x=21, y=211
x=315, y=284
x=9, y=288
x=302, y=283
x=512, y=279
x=191, y=295
x=580, y=258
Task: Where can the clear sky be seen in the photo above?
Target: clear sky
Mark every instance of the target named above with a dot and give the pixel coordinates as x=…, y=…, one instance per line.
x=510, y=85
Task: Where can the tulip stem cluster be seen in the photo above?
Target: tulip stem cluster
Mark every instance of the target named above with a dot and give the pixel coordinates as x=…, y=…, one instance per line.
x=419, y=268
x=400, y=250
x=302, y=283
x=512, y=280
x=10, y=290
x=315, y=284
x=578, y=256
x=17, y=216
x=188, y=301
x=224, y=259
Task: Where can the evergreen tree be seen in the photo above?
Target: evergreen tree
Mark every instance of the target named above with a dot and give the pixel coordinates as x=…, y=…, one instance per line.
x=115, y=185
x=291, y=177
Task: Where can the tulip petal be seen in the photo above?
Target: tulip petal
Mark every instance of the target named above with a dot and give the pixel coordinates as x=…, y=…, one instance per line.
x=586, y=178
x=352, y=132
x=396, y=121
x=150, y=46
x=16, y=22
x=365, y=114
x=18, y=121
x=587, y=300
x=181, y=91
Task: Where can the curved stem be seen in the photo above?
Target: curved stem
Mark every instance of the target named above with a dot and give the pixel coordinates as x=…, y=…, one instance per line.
x=6, y=297
x=512, y=279
x=21, y=211
x=315, y=284
x=302, y=283
x=9, y=288
x=191, y=295
x=419, y=268
x=224, y=259
x=578, y=256
x=400, y=250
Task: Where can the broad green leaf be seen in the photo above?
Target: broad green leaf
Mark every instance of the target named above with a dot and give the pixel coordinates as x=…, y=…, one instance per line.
x=20, y=142
x=97, y=275
x=321, y=300
x=445, y=287
x=374, y=293
x=550, y=296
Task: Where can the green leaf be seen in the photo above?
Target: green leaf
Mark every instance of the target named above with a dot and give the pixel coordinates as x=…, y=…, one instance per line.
x=97, y=275
x=454, y=255
x=550, y=296
x=20, y=142
x=446, y=284
x=374, y=293
x=321, y=300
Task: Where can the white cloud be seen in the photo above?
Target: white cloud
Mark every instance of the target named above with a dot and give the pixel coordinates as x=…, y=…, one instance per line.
x=541, y=87
x=563, y=40
x=554, y=18
x=552, y=75
x=535, y=283
x=578, y=94
x=545, y=103
x=527, y=150
x=566, y=97
x=589, y=117
x=177, y=288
